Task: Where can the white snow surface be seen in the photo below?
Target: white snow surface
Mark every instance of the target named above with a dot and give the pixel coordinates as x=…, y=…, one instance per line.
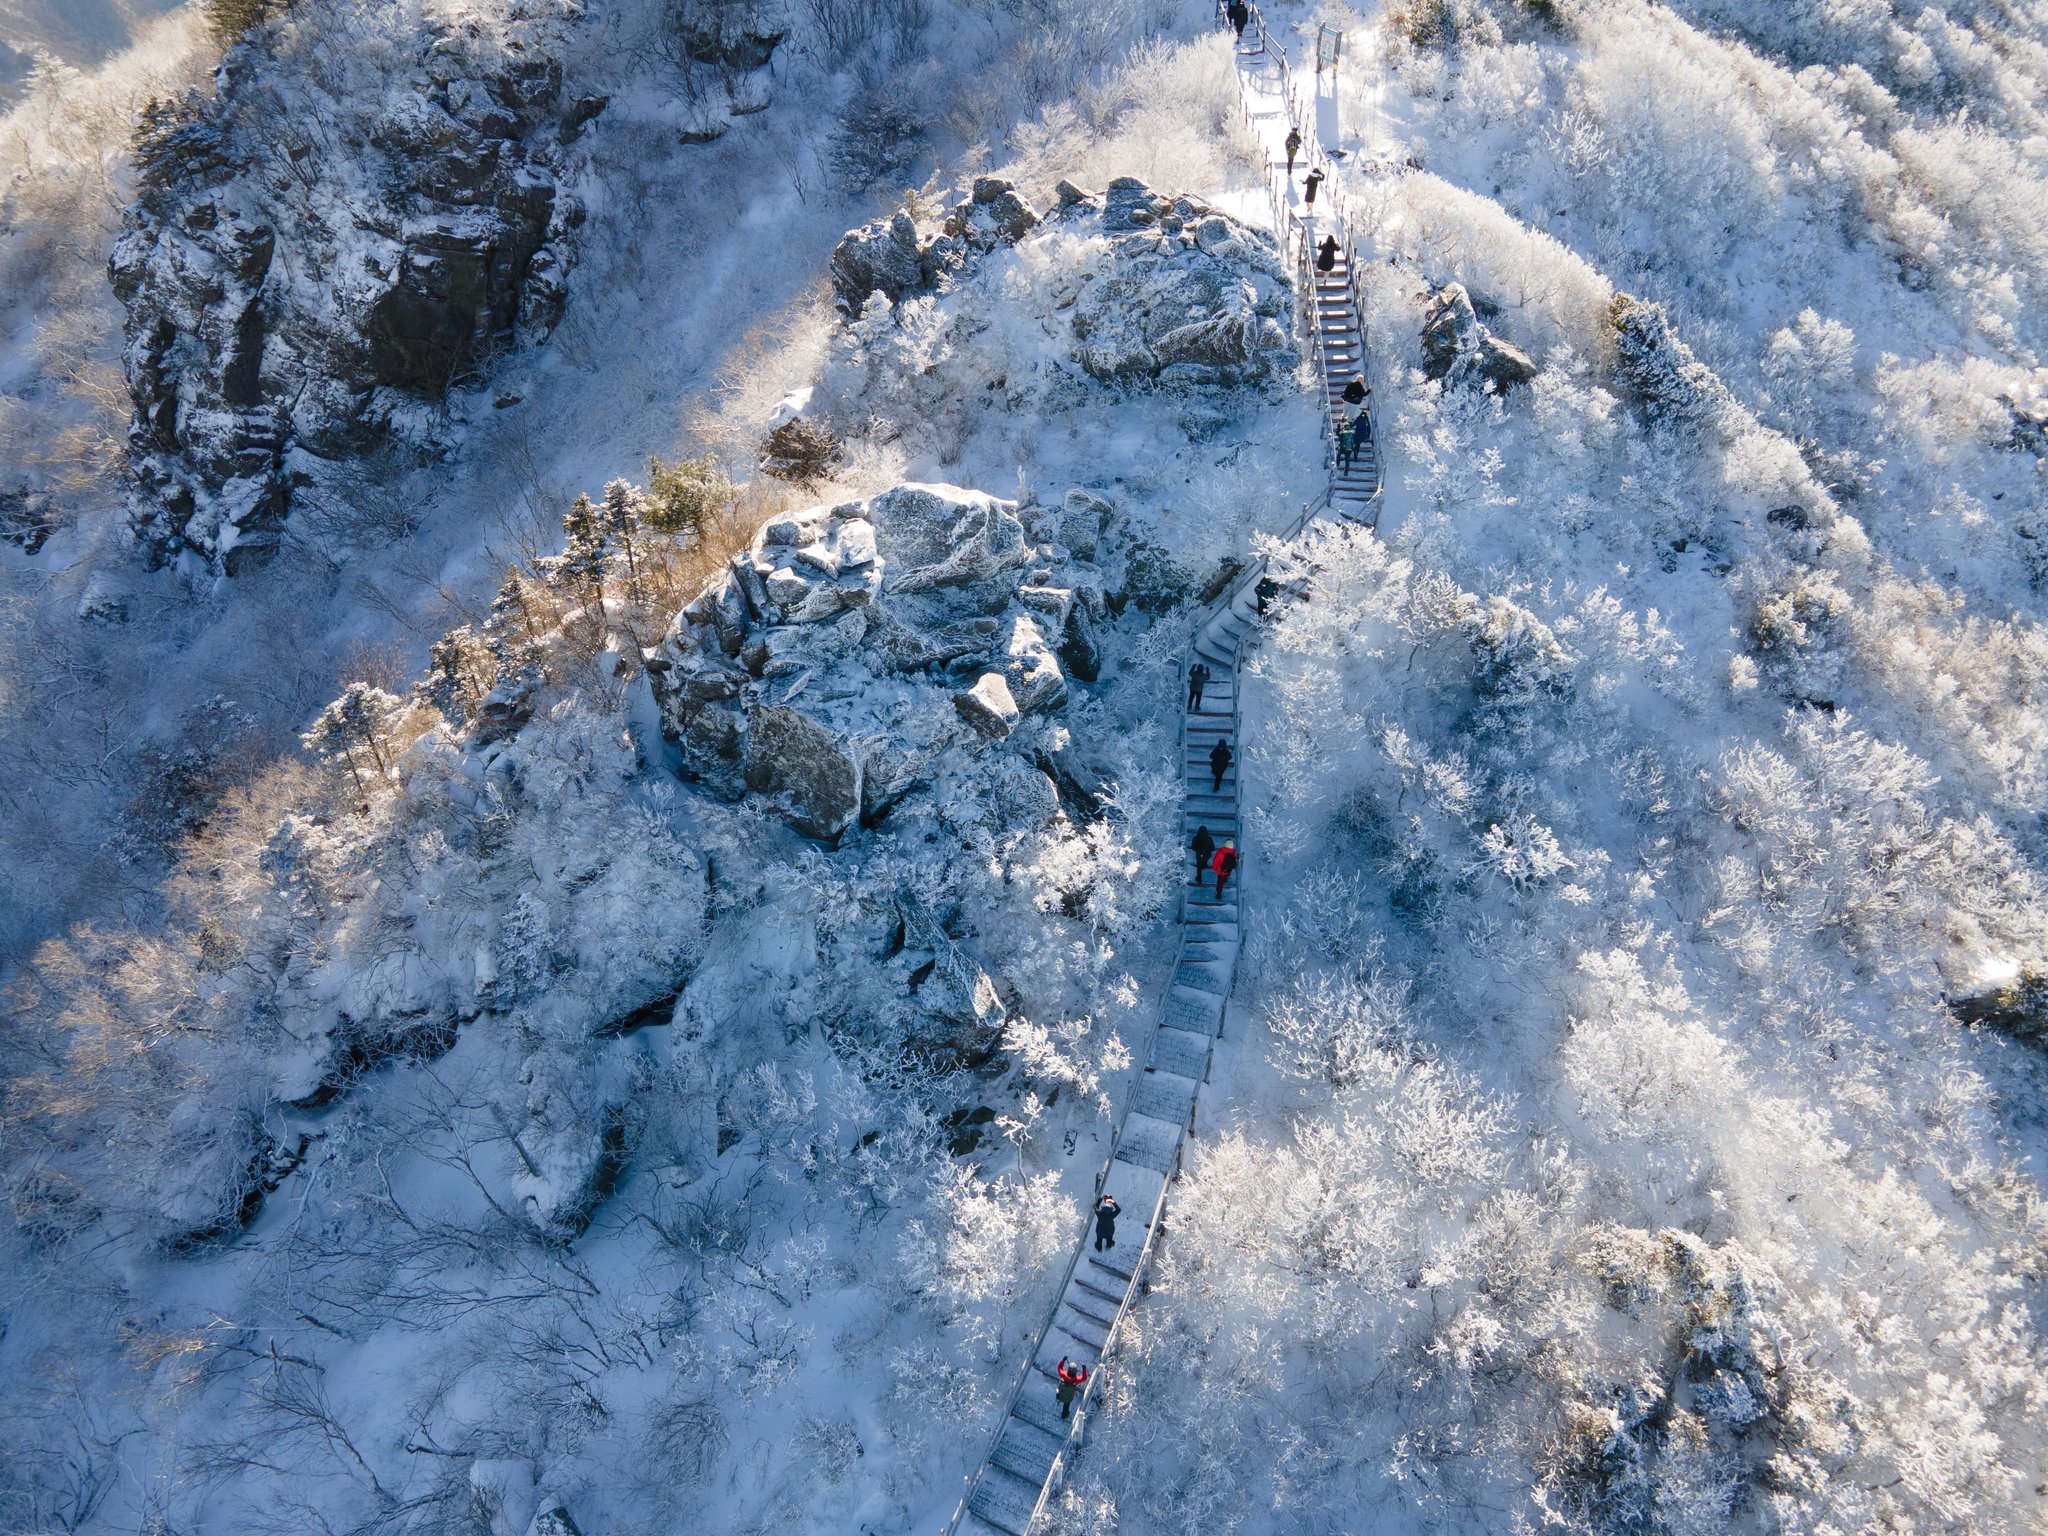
x=1624, y=822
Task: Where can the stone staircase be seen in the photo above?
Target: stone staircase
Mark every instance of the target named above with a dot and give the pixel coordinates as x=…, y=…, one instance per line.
x=1033, y=1446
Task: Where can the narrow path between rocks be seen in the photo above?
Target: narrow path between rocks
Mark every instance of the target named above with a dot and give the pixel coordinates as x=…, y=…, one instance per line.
x=1033, y=1445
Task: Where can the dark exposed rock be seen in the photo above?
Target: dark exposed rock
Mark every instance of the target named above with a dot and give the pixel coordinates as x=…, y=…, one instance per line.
x=26, y=519
x=2029, y=432
x=882, y=257
x=1457, y=346
x=988, y=706
x=291, y=293
x=2020, y=1007
x=553, y=1520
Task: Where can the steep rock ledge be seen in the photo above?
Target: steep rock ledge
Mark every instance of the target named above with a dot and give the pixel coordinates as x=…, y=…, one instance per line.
x=311, y=261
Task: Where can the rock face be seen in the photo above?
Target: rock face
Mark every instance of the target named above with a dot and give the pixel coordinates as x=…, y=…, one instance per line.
x=1183, y=296
x=305, y=267
x=2019, y=1007
x=889, y=258
x=849, y=647
x=1457, y=346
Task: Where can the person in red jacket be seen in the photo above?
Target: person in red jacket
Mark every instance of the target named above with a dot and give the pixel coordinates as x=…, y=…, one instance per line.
x=1224, y=864
x=1073, y=1377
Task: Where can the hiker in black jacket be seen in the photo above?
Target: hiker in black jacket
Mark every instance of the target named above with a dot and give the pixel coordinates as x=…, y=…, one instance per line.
x=1203, y=845
x=1219, y=762
x=1311, y=184
x=1240, y=16
x=1326, y=254
x=1293, y=148
x=1106, y=1213
x=1198, y=679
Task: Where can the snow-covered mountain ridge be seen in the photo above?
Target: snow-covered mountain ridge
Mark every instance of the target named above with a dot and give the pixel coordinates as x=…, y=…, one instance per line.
x=1627, y=1120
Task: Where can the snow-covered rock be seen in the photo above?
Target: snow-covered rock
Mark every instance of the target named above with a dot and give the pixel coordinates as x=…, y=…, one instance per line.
x=988, y=706
x=882, y=257
x=1183, y=296
x=828, y=668
x=1456, y=345
x=305, y=262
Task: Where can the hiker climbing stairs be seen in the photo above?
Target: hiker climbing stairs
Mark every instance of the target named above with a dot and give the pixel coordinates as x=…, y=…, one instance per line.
x=1035, y=1442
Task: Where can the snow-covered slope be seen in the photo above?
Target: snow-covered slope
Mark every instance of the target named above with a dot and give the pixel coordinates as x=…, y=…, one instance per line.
x=646, y=1055
x=1640, y=1122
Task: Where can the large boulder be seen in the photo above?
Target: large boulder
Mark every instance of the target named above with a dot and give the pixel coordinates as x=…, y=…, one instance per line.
x=883, y=257
x=1458, y=348
x=849, y=648
x=1187, y=298
x=988, y=705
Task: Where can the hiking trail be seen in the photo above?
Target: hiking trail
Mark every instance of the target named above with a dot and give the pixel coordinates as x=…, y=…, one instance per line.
x=1032, y=1448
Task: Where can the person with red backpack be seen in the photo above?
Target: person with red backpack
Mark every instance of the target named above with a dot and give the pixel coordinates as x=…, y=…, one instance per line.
x=1073, y=1377
x=1224, y=864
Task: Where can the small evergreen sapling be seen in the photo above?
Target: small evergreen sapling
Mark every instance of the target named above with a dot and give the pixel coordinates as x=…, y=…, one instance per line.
x=582, y=562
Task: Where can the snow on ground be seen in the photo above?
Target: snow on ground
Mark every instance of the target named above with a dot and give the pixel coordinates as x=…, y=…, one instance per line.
x=1630, y=1122
x=1610, y=1150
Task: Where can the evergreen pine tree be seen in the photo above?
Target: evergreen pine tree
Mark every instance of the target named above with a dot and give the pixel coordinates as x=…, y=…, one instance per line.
x=459, y=673
x=509, y=636
x=582, y=562
x=621, y=523
x=352, y=723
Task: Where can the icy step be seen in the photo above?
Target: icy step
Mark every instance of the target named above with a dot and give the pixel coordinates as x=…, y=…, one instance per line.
x=1197, y=1012
x=1004, y=1499
x=1183, y=1052
x=1082, y=1330
x=1164, y=1096
x=1039, y=1406
x=1149, y=1143
x=1026, y=1450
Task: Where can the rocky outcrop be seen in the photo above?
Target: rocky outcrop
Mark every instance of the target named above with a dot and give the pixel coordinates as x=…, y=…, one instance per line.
x=1184, y=296
x=883, y=257
x=849, y=647
x=306, y=266
x=2019, y=1007
x=1458, y=348
x=888, y=256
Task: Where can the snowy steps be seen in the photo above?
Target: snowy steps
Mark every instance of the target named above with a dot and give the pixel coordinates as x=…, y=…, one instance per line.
x=1033, y=1445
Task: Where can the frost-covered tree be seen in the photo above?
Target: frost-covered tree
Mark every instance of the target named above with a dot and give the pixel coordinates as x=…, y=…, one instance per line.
x=460, y=671
x=586, y=538
x=352, y=729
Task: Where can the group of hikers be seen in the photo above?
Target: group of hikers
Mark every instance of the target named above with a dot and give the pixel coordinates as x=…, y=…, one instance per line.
x=1353, y=431
x=1219, y=861
x=1073, y=1375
